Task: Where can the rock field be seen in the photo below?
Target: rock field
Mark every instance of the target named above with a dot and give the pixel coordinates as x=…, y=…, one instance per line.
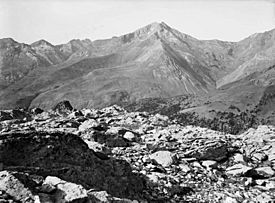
x=111, y=155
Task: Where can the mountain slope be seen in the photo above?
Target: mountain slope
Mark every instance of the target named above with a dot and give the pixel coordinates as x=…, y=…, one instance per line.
x=155, y=61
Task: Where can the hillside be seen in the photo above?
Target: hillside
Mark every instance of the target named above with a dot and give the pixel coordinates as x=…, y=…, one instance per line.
x=111, y=155
x=153, y=62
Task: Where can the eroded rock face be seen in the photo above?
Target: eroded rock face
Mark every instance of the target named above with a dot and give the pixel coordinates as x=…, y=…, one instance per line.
x=68, y=157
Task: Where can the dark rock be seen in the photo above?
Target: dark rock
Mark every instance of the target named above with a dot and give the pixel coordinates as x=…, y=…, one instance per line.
x=5, y=116
x=63, y=107
x=37, y=111
x=217, y=152
x=68, y=157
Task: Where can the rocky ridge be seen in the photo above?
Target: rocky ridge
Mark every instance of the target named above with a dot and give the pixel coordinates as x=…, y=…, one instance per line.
x=111, y=155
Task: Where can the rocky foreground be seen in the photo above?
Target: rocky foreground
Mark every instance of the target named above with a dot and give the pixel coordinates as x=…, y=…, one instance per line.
x=111, y=155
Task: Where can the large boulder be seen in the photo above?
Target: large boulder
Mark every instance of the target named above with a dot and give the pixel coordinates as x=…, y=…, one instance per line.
x=68, y=157
x=164, y=158
x=216, y=151
x=65, y=191
x=63, y=107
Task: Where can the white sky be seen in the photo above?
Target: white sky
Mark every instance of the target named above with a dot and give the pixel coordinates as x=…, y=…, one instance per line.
x=59, y=21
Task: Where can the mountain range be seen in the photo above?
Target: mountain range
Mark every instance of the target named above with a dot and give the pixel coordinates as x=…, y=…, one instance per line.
x=155, y=64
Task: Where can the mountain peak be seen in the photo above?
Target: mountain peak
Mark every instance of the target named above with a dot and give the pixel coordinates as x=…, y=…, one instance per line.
x=145, y=31
x=41, y=42
x=7, y=42
x=152, y=27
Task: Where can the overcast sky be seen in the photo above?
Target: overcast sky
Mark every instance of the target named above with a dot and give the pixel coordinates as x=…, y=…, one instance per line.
x=59, y=21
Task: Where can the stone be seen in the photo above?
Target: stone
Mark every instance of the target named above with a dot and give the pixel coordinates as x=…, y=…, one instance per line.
x=271, y=157
x=238, y=158
x=129, y=136
x=270, y=184
x=63, y=107
x=71, y=192
x=36, y=111
x=216, y=151
x=238, y=169
x=5, y=116
x=258, y=157
x=15, y=188
x=154, y=178
x=266, y=171
x=185, y=168
x=88, y=124
x=209, y=164
x=69, y=157
x=230, y=200
x=263, y=197
x=164, y=158
x=75, y=114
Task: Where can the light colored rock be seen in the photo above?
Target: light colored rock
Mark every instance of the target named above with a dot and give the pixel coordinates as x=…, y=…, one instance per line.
x=91, y=123
x=263, y=197
x=15, y=188
x=209, y=164
x=230, y=200
x=258, y=157
x=270, y=184
x=271, y=157
x=238, y=158
x=197, y=164
x=75, y=114
x=164, y=158
x=154, y=178
x=129, y=136
x=185, y=168
x=237, y=169
x=265, y=171
x=71, y=191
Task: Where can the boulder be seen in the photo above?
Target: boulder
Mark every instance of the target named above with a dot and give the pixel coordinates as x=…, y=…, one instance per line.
x=66, y=191
x=67, y=156
x=63, y=107
x=75, y=114
x=209, y=164
x=238, y=158
x=129, y=136
x=88, y=124
x=185, y=168
x=15, y=188
x=164, y=158
x=238, y=169
x=208, y=149
x=266, y=171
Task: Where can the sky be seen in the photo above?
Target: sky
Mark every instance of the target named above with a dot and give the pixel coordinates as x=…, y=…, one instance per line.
x=59, y=21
